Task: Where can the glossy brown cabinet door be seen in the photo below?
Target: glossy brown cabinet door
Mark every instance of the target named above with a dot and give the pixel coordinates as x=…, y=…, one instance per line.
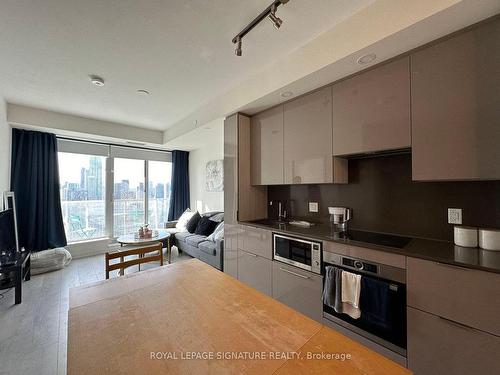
x=464, y=295
x=255, y=271
x=230, y=254
x=437, y=346
x=299, y=289
x=266, y=130
x=308, y=139
x=456, y=107
x=256, y=241
x=371, y=111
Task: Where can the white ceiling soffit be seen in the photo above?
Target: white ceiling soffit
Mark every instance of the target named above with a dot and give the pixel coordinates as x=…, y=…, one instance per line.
x=79, y=127
x=210, y=134
x=386, y=28
x=178, y=50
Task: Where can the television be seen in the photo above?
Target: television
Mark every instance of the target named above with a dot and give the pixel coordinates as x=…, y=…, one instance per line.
x=9, y=243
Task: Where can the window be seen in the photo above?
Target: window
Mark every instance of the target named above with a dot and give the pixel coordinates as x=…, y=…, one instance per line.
x=160, y=175
x=109, y=191
x=83, y=191
x=128, y=196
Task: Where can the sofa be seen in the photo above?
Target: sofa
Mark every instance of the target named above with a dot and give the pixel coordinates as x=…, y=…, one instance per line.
x=196, y=245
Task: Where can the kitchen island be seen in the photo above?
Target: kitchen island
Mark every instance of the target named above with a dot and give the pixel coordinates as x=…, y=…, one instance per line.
x=188, y=317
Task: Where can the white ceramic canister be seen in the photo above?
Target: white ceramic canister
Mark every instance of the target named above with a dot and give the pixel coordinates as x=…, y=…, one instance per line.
x=489, y=239
x=465, y=236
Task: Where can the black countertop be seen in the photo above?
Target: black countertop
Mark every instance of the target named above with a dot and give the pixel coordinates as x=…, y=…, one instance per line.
x=433, y=250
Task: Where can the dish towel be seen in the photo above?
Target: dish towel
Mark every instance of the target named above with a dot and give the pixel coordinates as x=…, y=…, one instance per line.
x=332, y=290
x=351, y=289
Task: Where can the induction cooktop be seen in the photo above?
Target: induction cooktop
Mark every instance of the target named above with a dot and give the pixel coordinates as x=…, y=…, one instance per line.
x=375, y=238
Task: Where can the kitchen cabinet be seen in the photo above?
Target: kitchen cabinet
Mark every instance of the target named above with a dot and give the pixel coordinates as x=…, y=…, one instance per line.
x=307, y=141
x=257, y=241
x=438, y=346
x=371, y=111
x=230, y=253
x=255, y=271
x=266, y=130
x=299, y=289
x=464, y=295
x=455, y=98
x=241, y=200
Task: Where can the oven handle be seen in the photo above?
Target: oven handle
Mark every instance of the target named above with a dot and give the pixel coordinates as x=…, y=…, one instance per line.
x=294, y=273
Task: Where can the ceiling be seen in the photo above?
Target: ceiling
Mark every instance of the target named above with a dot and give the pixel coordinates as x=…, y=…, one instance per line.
x=179, y=50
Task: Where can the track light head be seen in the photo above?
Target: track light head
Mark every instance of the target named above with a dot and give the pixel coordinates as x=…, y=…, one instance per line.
x=238, y=51
x=277, y=22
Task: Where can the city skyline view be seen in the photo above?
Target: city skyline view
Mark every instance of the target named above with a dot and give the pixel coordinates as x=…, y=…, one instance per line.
x=83, y=192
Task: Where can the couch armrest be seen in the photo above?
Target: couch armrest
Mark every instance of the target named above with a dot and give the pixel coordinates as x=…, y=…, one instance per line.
x=170, y=224
x=219, y=245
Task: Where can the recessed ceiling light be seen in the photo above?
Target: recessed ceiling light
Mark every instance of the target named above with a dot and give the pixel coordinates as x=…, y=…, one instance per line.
x=97, y=81
x=142, y=92
x=366, y=59
x=287, y=94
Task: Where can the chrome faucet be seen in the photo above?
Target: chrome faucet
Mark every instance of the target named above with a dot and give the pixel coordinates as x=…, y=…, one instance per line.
x=281, y=212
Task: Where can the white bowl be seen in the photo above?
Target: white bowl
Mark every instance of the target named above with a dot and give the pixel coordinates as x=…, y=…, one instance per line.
x=489, y=239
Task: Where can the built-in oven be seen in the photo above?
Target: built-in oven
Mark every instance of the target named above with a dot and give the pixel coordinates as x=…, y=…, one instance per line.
x=382, y=301
x=298, y=252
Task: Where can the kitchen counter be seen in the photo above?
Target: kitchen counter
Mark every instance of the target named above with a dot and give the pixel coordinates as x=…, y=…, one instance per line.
x=171, y=319
x=433, y=250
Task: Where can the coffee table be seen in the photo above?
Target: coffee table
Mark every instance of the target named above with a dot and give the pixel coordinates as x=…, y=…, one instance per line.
x=163, y=237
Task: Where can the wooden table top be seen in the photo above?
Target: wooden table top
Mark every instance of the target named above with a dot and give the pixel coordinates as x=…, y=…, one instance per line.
x=189, y=318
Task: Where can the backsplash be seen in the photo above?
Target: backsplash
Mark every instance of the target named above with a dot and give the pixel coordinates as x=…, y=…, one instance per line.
x=384, y=199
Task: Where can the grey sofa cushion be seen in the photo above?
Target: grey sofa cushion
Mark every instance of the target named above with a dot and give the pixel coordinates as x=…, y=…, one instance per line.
x=208, y=247
x=181, y=236
x=195, y=239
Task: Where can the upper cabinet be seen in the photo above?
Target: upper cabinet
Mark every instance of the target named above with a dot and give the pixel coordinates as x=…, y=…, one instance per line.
x=267, y=147
x=308, y=139
x=455, y=97
x=371, y=111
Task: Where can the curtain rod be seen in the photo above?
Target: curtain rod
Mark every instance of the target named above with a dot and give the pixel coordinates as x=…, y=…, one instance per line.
x=112, y=144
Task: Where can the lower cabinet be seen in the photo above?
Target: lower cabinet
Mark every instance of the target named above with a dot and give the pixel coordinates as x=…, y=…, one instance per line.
x=230, y=252
x=438, y=346
x=255, y=271
x=299, y=289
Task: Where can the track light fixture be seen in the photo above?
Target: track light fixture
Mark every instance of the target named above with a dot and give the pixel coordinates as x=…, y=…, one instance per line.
x=237, y=51
x=269, y=12
x=274, y=19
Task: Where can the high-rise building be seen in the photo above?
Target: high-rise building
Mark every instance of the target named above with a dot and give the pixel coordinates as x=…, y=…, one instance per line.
x=94, y=179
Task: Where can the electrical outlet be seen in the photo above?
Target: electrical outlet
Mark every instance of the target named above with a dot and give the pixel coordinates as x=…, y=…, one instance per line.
x=313, y=207
x=454, y=216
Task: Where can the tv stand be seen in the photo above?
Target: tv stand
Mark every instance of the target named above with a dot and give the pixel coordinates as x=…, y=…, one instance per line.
x=18, y=268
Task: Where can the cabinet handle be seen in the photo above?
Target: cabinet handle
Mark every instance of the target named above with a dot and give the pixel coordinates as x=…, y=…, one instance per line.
x=294, y=273
x=453, y=266
x=255, y=256
x=457, y=324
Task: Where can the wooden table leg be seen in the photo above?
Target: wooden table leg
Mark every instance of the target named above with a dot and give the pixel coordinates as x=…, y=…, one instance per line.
x=169, y=251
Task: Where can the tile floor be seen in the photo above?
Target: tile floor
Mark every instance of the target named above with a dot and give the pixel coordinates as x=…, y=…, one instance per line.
x=33, y=334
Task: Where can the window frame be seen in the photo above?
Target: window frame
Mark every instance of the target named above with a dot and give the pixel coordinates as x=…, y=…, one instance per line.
x=110, y=152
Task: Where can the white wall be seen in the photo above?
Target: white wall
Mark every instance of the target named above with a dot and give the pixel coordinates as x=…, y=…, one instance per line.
x=5, y=141
x=212, y=148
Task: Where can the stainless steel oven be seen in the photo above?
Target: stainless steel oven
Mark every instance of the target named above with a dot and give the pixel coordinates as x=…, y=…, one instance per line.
x=383, y=311
x=298, y=252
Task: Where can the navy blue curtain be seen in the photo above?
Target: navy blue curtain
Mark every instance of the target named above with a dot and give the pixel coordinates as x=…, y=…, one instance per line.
x=35, y=182
x=179, y=195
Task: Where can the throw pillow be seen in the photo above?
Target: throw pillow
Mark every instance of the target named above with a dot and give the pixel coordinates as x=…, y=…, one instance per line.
x=217, y=217
x=183, y=220
x=213, y=236
x=205, y=226
x=193, y=222
x=220, y=234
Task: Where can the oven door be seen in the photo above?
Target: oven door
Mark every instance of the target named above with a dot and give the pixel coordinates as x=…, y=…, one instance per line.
x=389, y=332
x=293, y=251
